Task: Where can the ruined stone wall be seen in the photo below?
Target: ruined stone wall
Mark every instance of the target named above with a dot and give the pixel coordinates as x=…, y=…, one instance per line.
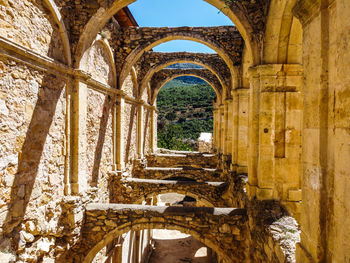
x=273, y=234
x=222, y=229
x=32, y=156
x=33, y=122
x=128, y=39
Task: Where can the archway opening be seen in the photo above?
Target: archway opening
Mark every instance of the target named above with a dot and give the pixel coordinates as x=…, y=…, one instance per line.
x=185, y=107
x=155, y=245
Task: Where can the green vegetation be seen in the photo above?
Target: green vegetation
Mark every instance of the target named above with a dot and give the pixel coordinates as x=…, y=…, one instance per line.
x=185, y=110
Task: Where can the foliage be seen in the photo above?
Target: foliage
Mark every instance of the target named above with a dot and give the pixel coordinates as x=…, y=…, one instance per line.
x=185, y=110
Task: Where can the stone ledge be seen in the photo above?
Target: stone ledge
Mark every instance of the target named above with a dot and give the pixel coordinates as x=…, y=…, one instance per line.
x=165, y=210
x=173, y=182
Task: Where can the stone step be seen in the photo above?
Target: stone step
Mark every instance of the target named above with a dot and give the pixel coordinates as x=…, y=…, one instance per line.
x=197, y=174
x=208, y=193
x=193, y=159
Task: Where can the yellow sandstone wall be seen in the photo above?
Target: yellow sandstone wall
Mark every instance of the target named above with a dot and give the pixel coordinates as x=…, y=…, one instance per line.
x=326, y=158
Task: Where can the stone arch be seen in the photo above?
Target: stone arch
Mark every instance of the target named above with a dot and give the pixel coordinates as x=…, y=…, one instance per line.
x=142, y=225
x=282, y=28
x=156, y=91
x=109, y=8
x=62, y=29
x=156, y=69
x=134, y=80
x=105, y=43
x=137, y=53
x=38, y=26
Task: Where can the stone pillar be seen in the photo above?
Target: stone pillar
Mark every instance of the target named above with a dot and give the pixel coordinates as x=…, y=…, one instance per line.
x=140, y=130
x=227, y=147
x=276, y=126
x=221, y=127
x=120, y=160
x=215, y=129
x=253, y=133
x=118, y=251
x=136, y=250
x=234, y=131
x=78, y=178
x=240, y=130
x=153, y=130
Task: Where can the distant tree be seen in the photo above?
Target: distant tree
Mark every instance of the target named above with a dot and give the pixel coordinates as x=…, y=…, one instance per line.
x=170, y=116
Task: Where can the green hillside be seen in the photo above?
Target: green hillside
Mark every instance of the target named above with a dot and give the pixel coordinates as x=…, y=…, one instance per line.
x=185, y=110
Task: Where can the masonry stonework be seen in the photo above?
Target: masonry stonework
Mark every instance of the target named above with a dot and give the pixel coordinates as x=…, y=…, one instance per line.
x=75, y=130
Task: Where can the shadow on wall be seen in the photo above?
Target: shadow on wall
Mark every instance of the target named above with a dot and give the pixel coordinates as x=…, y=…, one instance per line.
x=107, y=107
x=130, y=131
x=31, y=153
x=146, y=132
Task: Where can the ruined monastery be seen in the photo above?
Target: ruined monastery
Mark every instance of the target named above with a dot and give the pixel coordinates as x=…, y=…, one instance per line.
x=80, y=170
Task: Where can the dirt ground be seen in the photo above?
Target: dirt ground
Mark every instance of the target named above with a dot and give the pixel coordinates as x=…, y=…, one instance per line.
x=175, y=247
x=172, y=246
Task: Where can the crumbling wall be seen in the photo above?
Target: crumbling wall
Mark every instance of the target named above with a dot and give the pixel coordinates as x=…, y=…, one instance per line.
x=32, y=157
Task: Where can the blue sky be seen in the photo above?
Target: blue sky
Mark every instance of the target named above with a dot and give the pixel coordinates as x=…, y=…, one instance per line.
x=176, y=13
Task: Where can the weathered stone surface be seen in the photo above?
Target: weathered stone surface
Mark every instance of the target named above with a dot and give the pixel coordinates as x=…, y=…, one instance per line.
x=134, y=191
x=153, y=61
x=204, y=225
x=180, y=159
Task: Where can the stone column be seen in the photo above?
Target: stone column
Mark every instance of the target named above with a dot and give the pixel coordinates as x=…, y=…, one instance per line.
x=242, y=111
x=140, y=130
x=78, y=178
x=215, y=129
x=276, y=126
x=118, y=251
x=120, y=160
x=153, y=130
x=221, y=127
x=234, y=131
x=227, y=147
x=136, y=250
